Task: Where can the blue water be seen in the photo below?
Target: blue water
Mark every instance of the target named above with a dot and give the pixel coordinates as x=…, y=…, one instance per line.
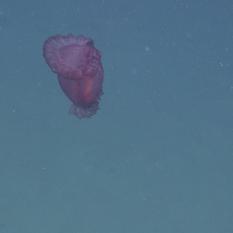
x=158, y=155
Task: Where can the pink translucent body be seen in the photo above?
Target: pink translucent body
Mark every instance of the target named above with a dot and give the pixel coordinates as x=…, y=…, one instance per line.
x=77, y=64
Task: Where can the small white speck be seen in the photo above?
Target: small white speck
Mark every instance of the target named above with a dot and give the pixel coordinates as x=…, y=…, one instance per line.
x=220, y=64
x=147, y=48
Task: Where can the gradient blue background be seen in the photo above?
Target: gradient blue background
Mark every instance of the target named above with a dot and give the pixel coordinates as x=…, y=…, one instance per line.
x=157, y=157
